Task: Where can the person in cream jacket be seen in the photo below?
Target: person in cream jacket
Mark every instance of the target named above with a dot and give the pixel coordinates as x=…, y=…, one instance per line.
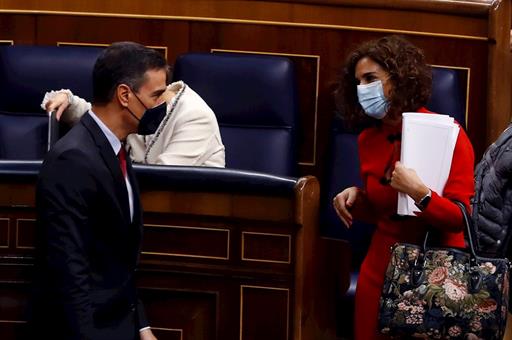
x=188, y=135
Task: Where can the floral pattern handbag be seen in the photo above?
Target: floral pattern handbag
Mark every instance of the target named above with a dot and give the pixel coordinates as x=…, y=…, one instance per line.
x=444, y=293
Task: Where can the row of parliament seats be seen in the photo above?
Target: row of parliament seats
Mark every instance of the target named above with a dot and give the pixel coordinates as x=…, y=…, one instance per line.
x=255, y=100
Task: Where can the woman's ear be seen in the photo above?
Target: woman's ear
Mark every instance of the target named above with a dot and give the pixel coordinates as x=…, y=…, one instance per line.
x=123, y=94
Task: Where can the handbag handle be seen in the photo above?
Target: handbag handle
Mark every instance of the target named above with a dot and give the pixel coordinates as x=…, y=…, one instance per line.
x=467, y=224
x=475, y=278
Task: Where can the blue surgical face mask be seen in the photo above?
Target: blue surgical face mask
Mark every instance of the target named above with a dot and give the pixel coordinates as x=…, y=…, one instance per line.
x=372, y=99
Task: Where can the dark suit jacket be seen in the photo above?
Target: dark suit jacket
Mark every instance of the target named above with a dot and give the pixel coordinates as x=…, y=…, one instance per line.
x=87, y=248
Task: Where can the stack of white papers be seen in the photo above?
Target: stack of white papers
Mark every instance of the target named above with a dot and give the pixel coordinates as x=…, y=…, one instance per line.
x=428, y=141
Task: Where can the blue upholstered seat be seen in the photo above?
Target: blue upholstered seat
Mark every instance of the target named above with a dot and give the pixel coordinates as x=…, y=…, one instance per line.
x=448, y=94
x=342, y=166
x=255, y=101
x=26, y=73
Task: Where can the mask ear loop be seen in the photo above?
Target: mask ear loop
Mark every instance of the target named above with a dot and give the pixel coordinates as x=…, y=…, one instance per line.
x=140, y=101
x=134, y=116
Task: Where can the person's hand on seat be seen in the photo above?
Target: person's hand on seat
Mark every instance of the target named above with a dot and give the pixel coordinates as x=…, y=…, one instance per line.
x=59, y=103
x=167, y=95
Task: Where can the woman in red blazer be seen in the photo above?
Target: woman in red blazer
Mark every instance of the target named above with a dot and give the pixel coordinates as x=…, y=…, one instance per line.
x=381, y=80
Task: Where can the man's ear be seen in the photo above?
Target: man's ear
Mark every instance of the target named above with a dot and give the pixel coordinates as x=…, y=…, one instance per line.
x=123, y=94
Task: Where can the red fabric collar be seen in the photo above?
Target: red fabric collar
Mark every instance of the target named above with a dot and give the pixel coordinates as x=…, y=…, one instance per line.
x=424, y=110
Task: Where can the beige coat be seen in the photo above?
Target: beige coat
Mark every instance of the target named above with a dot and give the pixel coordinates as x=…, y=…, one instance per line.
x=188, y=135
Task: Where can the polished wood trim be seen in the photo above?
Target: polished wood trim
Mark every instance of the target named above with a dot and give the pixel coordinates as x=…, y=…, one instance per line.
x=307, y=191
x=248, y=21
x=289, y=237
x=66, y=43
x=458, y=7
x=314, y=56
x=17, y=226
x=178, y=330
x=475, y=7
x=499, y=75
x=8, y=231
x=269, y=53
x=228, y=240
x=267, y=288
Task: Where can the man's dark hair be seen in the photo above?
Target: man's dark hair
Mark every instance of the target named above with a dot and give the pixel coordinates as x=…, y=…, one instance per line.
x=123, y=63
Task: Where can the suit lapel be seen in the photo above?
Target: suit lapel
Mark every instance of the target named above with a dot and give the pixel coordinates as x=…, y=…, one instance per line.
x=112, y=162
x=137, y=209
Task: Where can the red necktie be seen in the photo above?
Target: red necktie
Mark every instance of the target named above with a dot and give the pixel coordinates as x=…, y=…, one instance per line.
x=122, y=161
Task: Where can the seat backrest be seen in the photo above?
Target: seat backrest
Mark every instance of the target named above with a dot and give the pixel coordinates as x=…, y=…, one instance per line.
x=342, y=167
x=26, y=73
x=255, y=101
x=448, y=94
x=342, y=171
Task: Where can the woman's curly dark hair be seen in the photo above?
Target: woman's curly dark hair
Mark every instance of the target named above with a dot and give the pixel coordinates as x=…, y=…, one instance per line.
x=410, y=76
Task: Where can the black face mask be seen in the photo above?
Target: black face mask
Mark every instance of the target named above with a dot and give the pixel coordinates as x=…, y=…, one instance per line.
x=151, y=119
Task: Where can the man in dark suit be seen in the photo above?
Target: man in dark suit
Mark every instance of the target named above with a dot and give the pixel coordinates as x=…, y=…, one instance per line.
x=89, y=214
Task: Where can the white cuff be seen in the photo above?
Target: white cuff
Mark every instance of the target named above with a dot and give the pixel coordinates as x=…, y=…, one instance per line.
x=144, y=328
x=49, y=96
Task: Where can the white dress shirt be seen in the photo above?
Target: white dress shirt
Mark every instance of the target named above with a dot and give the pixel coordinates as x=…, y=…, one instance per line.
x=116, y=146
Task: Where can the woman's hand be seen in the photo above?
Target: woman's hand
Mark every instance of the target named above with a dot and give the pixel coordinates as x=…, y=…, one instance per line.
x=59, y=102
x=407, y=181
x=167, y=95
x=344, y=202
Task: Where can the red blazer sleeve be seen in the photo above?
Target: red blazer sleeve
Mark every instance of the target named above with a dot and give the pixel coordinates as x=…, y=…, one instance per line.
x=441, y=211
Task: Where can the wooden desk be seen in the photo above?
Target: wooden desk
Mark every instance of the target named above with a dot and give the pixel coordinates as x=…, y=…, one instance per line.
x=215, y=265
